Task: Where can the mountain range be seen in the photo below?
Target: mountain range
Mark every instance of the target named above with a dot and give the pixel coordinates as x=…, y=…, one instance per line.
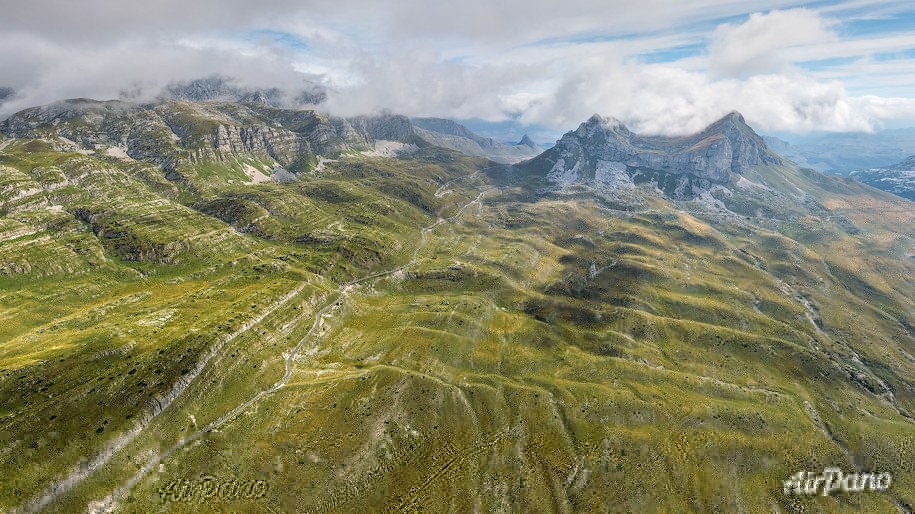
x=898, y=179
x=225, y=89
x=304, y=312
x=843, y=153
x=601, y=146
x=173, y=133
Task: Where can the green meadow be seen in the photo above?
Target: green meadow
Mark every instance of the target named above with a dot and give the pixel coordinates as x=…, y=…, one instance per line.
x=533, y=351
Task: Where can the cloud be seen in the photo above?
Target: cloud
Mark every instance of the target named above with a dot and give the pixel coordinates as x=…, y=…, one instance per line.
x=42, y=71
x=524, y=60
x=507, y=21
x=764, y=42
x=425, y=85
x=663, y=99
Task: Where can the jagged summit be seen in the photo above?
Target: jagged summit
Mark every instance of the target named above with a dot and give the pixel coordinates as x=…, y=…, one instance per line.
x=199, y=125
x=607, y=122
x=527, y=141
x=727, y=146
x=227, y=89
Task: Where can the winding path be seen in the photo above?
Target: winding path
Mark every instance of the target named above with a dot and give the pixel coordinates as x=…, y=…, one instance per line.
x=108, y=503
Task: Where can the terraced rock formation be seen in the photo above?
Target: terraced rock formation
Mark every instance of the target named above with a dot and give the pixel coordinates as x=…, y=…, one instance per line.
x=421, y=330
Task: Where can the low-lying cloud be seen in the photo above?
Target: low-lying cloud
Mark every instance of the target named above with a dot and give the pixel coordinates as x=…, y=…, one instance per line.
x=527, y=61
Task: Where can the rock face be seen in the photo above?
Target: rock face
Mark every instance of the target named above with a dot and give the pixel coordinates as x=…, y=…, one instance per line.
x=527, y=141
x=388, y=127
x=175, y=132
x=278, y=143
x=226, y=89
x=170, y=133
x=727, y=146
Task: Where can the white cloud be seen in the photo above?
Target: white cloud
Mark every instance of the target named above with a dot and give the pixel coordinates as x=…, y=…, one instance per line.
x=415, y=81
x=669, y=100
x=549, y=64
x=44, y=71
x=765, y=42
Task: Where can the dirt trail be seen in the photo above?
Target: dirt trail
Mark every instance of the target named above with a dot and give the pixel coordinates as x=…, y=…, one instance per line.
x=108, y=503
x=159, y=404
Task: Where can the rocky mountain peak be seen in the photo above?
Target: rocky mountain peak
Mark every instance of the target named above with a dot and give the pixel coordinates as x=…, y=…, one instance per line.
x=527, y=141
x=227, y=89
x=602, y=124
x=725, y=147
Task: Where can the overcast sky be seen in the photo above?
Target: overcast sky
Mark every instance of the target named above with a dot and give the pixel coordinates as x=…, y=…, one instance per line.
x=662, y=66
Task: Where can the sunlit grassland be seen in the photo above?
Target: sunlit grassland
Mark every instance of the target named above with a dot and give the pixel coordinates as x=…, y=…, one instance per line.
x=500, y=373
x=544, y=353
x=129, y=290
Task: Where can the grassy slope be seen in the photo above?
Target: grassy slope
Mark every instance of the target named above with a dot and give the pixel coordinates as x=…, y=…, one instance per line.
x=542, y=355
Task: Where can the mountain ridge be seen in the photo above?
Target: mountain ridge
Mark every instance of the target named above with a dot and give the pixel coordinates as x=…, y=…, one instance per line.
x=169, y=132
x=727, y=146
x=227, y=89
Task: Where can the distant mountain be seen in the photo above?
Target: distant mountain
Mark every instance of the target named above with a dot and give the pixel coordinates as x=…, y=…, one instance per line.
x=450, y=134
x=794, y=154
x=513, y=130
x=174, y=133
x=527, y=141
x=604, y=150
x=898, y=179
x=841, y=154
x=908, y=164
x=226, y=89
x=726, y=171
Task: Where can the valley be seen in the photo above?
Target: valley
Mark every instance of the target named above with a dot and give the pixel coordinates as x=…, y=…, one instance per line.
x=631, y=329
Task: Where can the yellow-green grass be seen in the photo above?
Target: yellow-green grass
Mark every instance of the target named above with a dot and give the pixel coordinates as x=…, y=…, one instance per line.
x=545, y=353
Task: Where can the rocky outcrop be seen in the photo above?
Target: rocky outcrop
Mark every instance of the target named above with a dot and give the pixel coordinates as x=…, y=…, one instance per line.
x=727, y=146
x=527, y=141
x=170, y=133
x=225, y=89
x=388, y=127
x=279, y=144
